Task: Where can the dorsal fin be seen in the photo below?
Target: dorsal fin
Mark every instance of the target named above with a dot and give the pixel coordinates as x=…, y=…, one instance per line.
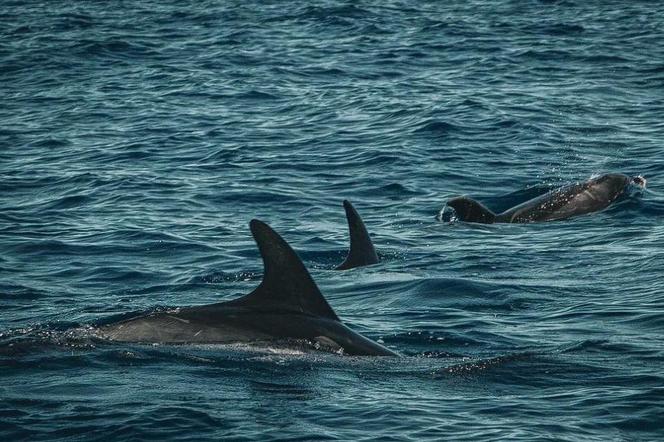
x=467, y=209
x=286, y=285
x=362, y=252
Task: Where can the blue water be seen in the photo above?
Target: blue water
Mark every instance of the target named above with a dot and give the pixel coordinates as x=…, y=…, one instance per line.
x=137, y=140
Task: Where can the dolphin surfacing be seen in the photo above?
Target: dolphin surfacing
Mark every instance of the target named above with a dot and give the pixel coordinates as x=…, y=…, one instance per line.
x=287, y=305
x=575, y=199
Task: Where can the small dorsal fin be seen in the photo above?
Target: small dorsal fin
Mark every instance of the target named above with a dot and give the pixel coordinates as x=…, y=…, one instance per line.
x=286, y=285
x=467, y=209
x=362, y=252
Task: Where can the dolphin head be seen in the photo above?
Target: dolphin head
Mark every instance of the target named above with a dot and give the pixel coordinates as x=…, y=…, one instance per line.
x=639, y=181
x=609, y=186
x=613, y=186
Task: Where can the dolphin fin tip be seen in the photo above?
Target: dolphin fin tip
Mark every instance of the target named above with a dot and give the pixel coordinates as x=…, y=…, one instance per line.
x=256, y=224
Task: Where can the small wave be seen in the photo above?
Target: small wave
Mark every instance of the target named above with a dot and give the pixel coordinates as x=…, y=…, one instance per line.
x=602, y=346
x=545, y=55
x=256, y=95
x=132, y=152
x=217, y=277
x=652, y=69
x=54, y=247
x=70, y=202
x=323, y=71
x=426, y=338
x=562, y=29
x=50, y=143
x=436, y=128
x=250, y=197
x=396, y=188
x=374, y=29
x=14, y=291
x=26, y=29
x=506, y=123
x=334, y=12
x=439, y=354
x=115, y=48
x=606, y=59
x=482, y=365
x=219, y=157
x=117, y=274
x=74, y=21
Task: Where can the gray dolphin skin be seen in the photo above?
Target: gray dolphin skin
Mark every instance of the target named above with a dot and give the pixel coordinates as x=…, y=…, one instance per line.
x=362, y=251
x=286, y=306
x=575, y=199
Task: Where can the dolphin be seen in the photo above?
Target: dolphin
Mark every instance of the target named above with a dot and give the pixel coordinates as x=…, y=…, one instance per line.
x=362, y=251
x=574, y=199
x=287, y=306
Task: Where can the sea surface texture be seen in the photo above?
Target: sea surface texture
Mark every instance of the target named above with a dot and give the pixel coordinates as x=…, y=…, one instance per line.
x=139, y=138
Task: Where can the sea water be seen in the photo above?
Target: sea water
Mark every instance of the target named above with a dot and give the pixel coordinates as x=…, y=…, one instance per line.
x=139, y=138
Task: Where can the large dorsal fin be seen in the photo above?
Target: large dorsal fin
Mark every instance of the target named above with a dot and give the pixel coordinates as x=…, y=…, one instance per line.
x=286, y=285
x=362, y=252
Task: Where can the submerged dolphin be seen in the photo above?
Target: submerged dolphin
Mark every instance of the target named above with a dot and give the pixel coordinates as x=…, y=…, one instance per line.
x=287, y=305
x=574, y=199
x=362, y=252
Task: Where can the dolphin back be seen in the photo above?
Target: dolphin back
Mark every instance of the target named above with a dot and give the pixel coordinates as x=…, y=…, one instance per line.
x=572, y=200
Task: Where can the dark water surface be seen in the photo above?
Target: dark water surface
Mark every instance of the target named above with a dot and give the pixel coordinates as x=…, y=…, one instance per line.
x=139, y=138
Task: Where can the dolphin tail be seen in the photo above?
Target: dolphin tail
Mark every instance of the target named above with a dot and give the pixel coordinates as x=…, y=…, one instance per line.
x=467, y=209
x=362, y=252
x=286, y=284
